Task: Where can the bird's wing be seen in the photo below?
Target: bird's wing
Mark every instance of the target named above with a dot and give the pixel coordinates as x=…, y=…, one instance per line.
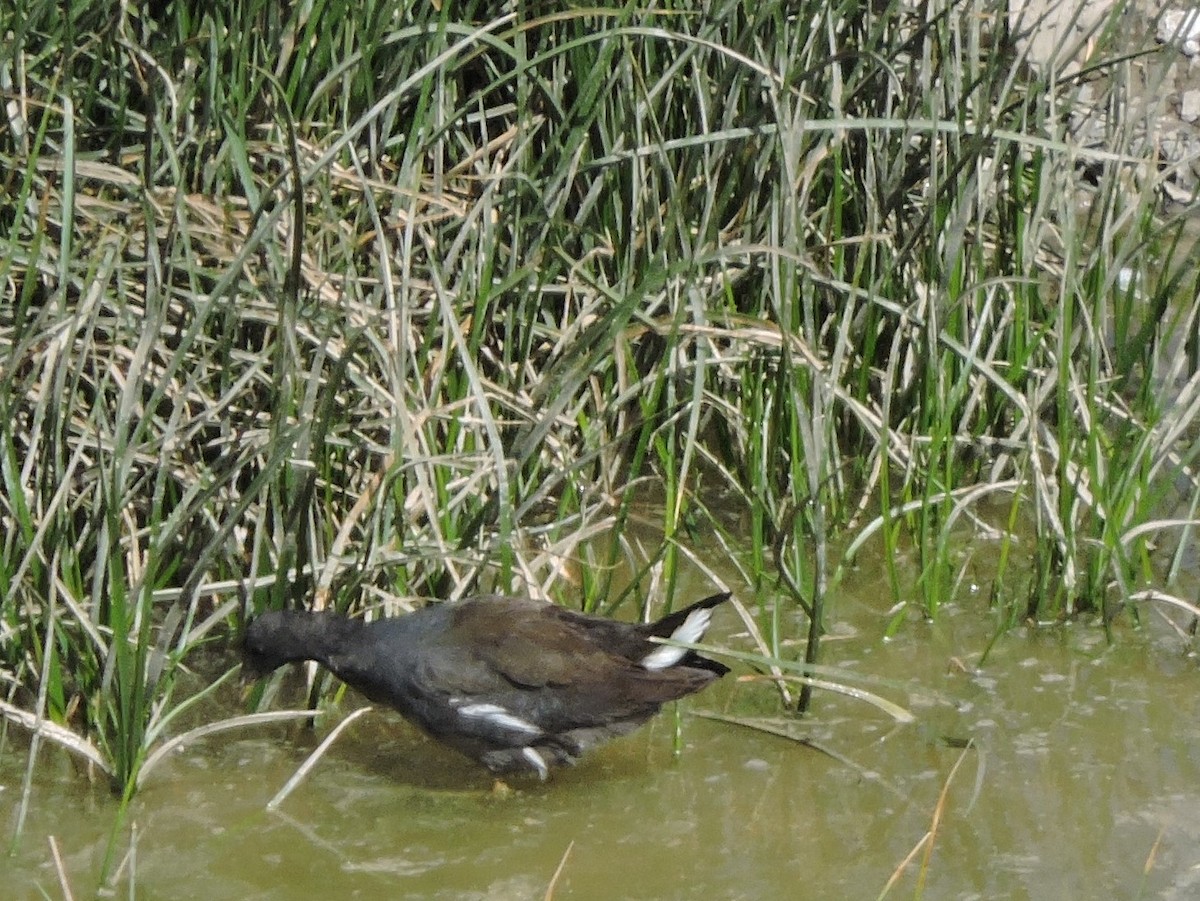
x=536, y=664
x=492, y=647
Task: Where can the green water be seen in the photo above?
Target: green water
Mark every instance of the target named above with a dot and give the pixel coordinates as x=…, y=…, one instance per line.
x=1081, y=784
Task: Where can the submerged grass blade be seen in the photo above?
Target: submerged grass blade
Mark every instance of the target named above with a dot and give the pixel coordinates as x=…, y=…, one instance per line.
x=311, y=761
x=225, y=725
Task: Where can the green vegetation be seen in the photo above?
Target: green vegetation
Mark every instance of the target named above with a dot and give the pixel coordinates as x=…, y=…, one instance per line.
x=367, y=301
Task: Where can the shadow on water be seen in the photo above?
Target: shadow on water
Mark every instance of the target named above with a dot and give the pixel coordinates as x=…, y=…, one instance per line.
x=1080, y=782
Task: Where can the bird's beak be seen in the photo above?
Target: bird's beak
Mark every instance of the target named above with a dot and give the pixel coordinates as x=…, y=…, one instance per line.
x=251, y=683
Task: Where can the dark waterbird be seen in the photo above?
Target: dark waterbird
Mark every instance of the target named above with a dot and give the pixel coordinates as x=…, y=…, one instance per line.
x=517, y=684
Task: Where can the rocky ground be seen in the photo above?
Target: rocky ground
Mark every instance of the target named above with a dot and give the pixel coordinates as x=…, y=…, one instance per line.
x=1153, y=94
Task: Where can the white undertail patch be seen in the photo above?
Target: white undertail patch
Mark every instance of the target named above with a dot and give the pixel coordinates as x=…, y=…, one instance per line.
x=537, y=761
x=691, y=630
x=498, y=716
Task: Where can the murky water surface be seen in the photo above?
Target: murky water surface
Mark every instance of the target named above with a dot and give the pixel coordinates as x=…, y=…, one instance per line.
x=1082, y=783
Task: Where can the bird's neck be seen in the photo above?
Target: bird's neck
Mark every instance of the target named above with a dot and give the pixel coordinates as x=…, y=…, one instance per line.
x=320, y=636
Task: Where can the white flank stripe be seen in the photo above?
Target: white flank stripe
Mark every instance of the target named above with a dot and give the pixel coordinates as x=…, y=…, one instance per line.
x=691, y=631
x=498, y=716
x=537, y=761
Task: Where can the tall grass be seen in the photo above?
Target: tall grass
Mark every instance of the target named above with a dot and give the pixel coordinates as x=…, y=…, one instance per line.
x=376, y=302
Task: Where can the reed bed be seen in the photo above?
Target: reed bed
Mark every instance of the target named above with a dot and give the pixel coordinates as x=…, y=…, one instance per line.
x=358, y=304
